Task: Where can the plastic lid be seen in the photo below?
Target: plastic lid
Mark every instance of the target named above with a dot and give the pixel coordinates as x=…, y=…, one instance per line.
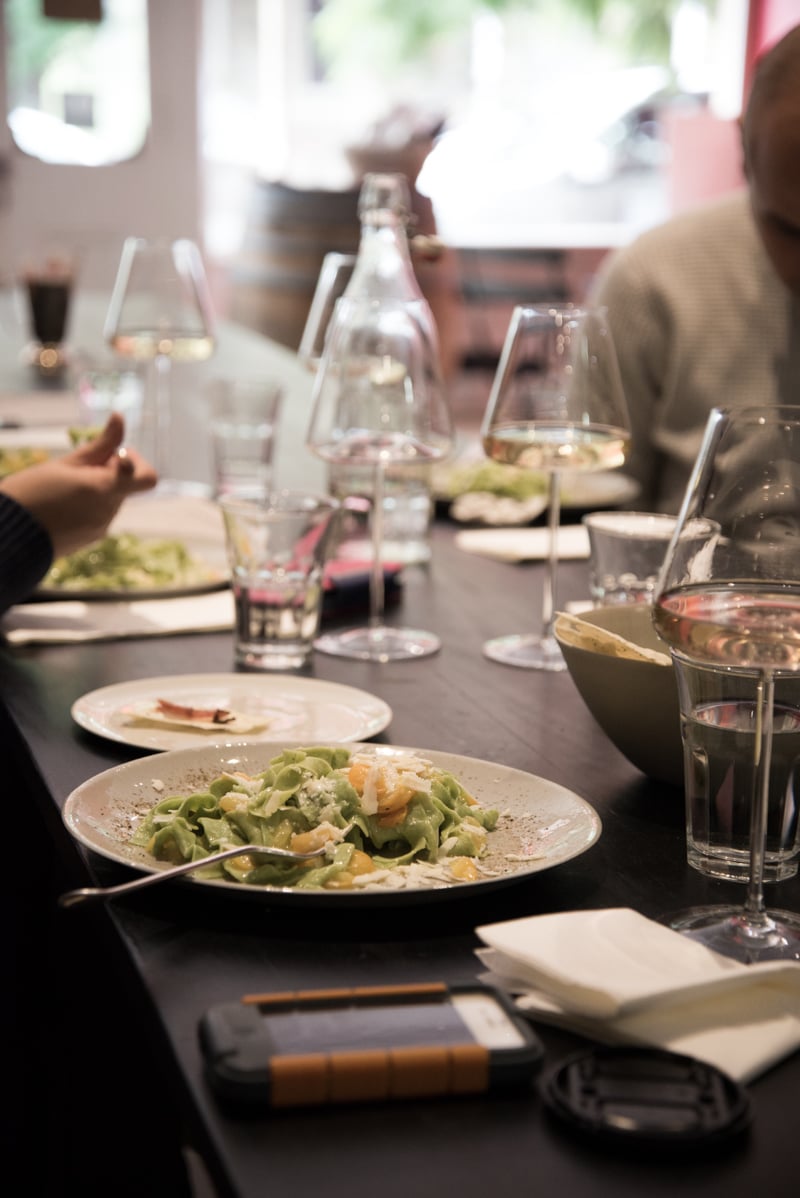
x=646, y=1096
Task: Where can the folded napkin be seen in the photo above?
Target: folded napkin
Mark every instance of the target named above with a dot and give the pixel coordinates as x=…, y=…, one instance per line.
x=618, y=977
x=524, y=544
x=63, y=621
x=69, y=620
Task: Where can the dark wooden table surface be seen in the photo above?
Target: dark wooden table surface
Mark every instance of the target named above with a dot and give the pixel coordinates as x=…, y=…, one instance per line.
x=112, y=996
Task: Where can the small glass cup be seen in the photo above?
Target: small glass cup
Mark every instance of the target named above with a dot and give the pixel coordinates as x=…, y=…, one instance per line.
x=626, y=552
x=278, y=544
x=244, y=415
x=718, y=727
x=105, y=389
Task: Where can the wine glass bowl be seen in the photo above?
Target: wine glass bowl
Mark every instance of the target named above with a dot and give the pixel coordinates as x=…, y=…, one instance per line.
x=160, y=312
x=556, y=405
x=733, y=602
x=335, y=274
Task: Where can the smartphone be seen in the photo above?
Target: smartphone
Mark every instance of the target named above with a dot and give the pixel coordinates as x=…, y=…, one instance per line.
x=367, y=1044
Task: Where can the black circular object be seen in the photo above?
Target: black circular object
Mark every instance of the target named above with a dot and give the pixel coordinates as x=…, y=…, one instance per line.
x=646, y=1096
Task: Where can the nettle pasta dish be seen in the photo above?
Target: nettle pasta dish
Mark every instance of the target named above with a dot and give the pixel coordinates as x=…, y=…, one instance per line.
x=383, y=820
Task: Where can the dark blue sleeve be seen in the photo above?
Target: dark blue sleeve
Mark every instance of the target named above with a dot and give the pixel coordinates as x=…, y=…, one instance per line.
x=26, y=552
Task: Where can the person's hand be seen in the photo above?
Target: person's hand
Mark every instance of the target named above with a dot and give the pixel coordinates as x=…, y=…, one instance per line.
x=77, y=495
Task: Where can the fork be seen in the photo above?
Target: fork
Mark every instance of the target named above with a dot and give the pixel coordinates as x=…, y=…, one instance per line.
x=87, y=893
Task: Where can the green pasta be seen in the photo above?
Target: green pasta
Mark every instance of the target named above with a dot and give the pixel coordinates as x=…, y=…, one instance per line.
x=127, y=562
x=373, y=813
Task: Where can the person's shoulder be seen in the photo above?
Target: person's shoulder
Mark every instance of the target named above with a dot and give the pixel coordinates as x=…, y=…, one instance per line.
x=690, y=243
x=706, y=223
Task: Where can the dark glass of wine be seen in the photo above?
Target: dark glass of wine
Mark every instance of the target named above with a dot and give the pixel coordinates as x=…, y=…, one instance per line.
x=48, y=285
x=556, y=405
x=729, y=597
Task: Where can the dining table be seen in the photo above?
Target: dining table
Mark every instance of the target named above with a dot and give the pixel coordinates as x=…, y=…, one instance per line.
x=111, y=1092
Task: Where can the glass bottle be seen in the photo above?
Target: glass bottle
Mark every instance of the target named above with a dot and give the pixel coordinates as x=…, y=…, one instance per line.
x=383, y=270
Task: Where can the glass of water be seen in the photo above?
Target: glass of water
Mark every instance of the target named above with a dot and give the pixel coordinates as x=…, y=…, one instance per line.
x=277, y=545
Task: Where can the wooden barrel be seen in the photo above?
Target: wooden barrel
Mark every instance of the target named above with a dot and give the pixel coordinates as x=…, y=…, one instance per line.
x=288, y=233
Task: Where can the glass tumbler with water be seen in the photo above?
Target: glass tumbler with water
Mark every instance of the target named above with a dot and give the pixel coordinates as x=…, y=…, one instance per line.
x=277, y=545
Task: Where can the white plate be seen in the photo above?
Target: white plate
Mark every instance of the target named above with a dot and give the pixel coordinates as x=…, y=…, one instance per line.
x=597, y=490
x=54, y=440
x=308, y=710
x=541, y=824
x=21, y=447
x=579, y=490
x=524, y=544
x=197, y=522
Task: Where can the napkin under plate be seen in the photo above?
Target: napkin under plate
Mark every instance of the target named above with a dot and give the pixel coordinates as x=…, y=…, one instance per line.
x=524, y=544
x=70, y=620
x=621, y=978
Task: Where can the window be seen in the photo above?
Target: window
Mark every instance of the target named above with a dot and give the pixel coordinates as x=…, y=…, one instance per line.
x=78, y=91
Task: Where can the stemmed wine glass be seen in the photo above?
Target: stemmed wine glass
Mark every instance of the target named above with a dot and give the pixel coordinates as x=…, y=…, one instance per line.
x=729, y=596
x=556, y=404
x=379, y=401
x=334, y=275
x=160, y=312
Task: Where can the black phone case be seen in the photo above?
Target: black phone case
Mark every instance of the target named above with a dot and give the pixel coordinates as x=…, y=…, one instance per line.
x=243, y=1067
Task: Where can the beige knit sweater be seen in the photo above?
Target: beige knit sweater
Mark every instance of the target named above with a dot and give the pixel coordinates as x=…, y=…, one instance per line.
x=700, y=320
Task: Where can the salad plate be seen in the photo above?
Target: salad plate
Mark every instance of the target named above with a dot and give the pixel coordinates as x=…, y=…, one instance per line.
x=309, y=710
x=162, y=530
x=476, y=489
x=21, y=447
x=541, y=825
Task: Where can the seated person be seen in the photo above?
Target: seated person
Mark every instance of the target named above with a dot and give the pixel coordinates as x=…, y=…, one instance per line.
x=59, y=506
x=705, y=309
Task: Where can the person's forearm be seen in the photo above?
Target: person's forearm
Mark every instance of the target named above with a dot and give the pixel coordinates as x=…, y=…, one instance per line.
x=25, y=552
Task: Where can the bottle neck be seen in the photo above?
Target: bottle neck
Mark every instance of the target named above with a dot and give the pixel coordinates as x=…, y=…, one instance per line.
x=383, y=266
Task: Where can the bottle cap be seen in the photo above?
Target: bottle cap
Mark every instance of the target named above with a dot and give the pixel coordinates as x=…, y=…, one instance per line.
x=387, y=193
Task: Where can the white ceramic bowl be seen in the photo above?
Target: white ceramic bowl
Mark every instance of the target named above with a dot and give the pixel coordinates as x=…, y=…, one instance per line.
x=634, y=702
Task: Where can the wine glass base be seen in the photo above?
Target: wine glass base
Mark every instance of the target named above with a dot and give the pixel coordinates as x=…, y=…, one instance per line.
x=529, y=652
x=379, y=644
x=725, y=930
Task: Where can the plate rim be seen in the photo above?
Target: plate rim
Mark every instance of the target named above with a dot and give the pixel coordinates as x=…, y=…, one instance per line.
x=331, y=898
x=44, y=594
x=218, y=678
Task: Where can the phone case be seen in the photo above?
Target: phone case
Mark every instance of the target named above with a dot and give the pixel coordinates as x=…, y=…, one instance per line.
x=245, y=1065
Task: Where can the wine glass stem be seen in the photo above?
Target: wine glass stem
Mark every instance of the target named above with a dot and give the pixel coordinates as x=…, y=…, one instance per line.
x=551, y=564
x=162, y=414
x=376, y=590
x=755, y=913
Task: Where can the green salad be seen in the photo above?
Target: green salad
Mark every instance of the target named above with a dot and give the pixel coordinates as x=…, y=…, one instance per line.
x=13, y=459
x=491, y=478
x=127, y=562
x=377, y=817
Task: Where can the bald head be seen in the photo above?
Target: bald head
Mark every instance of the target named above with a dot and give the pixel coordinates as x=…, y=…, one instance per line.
x=771, y=142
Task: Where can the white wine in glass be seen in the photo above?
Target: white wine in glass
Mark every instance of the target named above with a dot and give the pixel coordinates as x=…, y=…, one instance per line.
x=161, y=312
x=556, y=405
x=729, y=597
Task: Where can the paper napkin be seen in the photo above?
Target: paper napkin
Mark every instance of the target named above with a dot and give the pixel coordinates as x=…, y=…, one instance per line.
x=67, y=621
x=524, y=544
x=618, y=977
